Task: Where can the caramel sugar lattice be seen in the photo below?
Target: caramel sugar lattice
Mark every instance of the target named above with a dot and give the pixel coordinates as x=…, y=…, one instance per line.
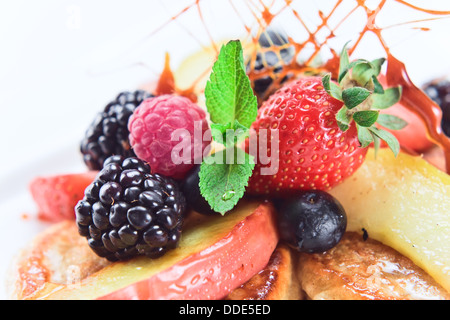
x=317, y=31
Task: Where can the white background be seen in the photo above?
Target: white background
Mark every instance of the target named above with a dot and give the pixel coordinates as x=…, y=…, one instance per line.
x=61, y=61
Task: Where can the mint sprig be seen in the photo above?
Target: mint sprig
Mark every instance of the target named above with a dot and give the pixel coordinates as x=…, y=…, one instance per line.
x=229, y=95
x=233, y=108
x=363, y=97
x=223, y=180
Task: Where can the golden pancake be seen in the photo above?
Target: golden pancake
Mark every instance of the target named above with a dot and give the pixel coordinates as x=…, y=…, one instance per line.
x=364, y=270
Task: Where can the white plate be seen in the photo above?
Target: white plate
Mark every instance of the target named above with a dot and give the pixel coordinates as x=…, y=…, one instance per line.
x=65, y=60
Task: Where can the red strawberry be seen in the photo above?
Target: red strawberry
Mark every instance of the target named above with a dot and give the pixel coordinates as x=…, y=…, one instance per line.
x=314, y=153
x=56, y=196
x=324, y=127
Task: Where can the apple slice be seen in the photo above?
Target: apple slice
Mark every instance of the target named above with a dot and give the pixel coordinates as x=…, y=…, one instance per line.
x=215, y=255
x=404, y=203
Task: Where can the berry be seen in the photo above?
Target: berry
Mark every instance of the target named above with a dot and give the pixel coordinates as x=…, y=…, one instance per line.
x=155, y=135
x=313, y=152
x=57, y=195
x=191, y=191
x=127, y=211
x=108, y=133
x=323, y=127
x=439, y=92
x=312, y=221
x=275, y=52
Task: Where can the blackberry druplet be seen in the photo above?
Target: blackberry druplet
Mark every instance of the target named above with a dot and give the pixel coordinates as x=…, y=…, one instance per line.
x=108, y=133
x=128, y=211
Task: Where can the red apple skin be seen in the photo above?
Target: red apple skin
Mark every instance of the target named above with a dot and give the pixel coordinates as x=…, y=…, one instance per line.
x=215, y=271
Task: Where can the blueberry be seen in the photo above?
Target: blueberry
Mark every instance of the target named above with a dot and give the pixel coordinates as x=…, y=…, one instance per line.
x=311, y=221
x=439, y=92
x=190, y=188
x=275, y=55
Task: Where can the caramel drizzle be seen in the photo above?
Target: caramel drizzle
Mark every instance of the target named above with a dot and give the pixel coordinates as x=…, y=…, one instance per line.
x=413, y=98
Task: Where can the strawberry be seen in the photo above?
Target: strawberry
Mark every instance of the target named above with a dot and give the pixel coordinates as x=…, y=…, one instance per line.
x=324, y=127
x=57, y=195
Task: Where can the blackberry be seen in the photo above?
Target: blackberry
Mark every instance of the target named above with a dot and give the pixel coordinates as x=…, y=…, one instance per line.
x=439, y=92
x=127, y=211
x=108, y=133
x=274, y=54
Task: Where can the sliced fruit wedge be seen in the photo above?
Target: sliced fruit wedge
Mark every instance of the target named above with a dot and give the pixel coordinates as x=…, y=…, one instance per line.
x=215, y=255
x=404, y=203
x=57, y=195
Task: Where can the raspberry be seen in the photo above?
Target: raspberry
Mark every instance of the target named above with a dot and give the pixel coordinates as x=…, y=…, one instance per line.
x=127, y=211
x=151, y=134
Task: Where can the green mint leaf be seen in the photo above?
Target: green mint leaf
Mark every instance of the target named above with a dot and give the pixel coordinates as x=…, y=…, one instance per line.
x=229, y=95
x=387, y=137
x=218, y=132
x=353, y=97
x=390, y=97
x=224, y=177
x=343, y=119
x=364, y=136
x=391, y=122
x=366, y=118
x=228, y=134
